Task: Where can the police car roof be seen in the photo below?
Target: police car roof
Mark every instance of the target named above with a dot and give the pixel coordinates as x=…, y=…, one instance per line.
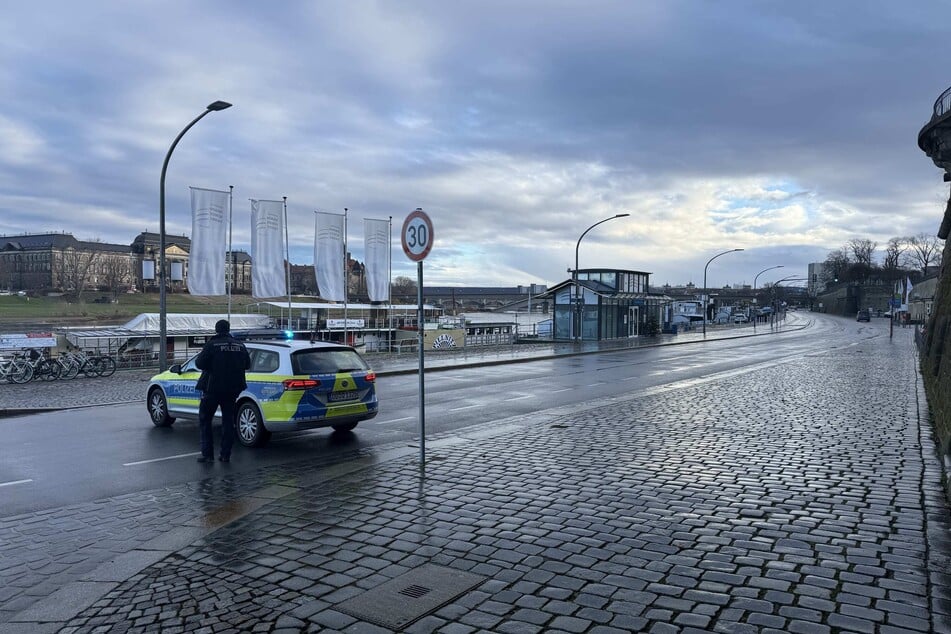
x=296, y=344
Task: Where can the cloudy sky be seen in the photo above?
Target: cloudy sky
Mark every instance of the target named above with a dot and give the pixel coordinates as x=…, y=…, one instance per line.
x=782, y=128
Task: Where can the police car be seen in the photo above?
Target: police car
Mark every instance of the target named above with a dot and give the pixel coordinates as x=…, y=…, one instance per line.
x=292, y=385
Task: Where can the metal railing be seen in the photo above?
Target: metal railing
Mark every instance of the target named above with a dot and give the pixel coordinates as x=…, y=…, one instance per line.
x=942, y=105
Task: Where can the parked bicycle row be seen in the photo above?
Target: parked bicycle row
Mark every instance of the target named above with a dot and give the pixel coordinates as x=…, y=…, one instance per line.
x=29, y=365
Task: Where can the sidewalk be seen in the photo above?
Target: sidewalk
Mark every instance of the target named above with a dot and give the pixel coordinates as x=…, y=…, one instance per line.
x=802, y=498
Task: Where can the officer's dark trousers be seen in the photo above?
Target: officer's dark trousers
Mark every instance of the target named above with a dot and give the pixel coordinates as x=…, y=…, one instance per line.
x=206, y=413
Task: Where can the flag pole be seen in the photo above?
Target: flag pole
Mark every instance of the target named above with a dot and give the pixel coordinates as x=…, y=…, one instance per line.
x=346, y=277
x=230, y=260
x=287, y=266
x=389, y=282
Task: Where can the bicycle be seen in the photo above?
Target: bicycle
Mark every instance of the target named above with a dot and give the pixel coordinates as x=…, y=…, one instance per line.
x=16, y=369
x=99, y=365
x=43, y=368
x=69, y=365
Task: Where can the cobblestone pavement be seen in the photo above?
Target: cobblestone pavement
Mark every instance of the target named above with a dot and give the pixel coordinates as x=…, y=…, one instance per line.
x=801, y=498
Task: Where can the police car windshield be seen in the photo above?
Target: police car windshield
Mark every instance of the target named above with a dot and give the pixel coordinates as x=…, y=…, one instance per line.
x=327, y=361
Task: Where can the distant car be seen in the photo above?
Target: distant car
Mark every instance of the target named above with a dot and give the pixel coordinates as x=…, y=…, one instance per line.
x=862, y=316
x=292, y=385
x=740, y=319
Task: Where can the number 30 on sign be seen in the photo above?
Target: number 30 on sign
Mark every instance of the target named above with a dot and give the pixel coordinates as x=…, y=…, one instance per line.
x=417, y=235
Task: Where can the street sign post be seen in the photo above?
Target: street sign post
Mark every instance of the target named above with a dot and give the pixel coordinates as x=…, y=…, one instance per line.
x=417, y=239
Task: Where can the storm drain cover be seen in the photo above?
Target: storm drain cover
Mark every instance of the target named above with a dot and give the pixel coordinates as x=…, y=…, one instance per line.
x=411, y=596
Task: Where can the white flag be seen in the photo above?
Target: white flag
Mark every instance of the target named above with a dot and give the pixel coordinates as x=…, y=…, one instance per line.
x=206, y=260
x=376, y=245
x=328, y=256
x=908, y=288
x=267, y=249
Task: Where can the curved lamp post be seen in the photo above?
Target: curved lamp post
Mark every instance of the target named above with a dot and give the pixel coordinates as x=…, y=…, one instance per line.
x=163, y=327
x=790, y=278
x=705, y=286
x=578, y=296
x=778, y=266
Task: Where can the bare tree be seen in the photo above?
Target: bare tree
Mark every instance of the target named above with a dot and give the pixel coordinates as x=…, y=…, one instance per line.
x=115, y=272
x=862, y=250
x=893, y=252
x=836, y=265
x=6, y=274
x=924, y=251
x=404, y=288
x=74, y=270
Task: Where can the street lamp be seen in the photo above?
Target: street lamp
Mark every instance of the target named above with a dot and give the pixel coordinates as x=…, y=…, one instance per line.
x=705, y=286
x=774, y=301
x=578, y=296
x=163, y=359
x=778, y=266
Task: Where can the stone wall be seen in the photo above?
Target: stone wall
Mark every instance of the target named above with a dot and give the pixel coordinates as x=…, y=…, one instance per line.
x=935, y=362
x=847, y=300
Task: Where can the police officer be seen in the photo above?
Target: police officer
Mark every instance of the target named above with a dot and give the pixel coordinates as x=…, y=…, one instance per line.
x=222, y=361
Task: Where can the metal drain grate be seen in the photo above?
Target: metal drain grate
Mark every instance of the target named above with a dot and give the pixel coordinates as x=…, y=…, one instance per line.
x=415, y=591
x=411, y=596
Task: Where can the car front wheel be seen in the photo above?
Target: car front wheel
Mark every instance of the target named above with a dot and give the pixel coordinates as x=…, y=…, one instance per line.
x=345, y=427
x=249, y=425
x=158, y=409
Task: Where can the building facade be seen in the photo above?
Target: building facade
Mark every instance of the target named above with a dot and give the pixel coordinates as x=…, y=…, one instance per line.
x=606, y=304
x=58, y=262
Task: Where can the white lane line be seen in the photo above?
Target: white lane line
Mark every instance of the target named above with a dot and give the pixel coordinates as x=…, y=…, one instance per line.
x=181, y=455
x=456, y=409
x=395, y=420
x=11, y=483
x=519, y=398
x=567, y=389
x=594, y=384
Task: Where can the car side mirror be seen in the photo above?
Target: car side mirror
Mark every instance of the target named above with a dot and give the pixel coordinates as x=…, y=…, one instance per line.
x=177, y=368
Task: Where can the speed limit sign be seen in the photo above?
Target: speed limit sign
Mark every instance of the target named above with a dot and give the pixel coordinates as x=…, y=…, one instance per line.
x=417, y=235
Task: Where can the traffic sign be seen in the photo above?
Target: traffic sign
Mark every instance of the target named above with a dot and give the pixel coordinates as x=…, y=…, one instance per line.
x=417, y=235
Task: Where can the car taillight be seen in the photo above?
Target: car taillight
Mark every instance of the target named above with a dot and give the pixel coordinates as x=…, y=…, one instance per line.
x=371, y=376
x=300, y=384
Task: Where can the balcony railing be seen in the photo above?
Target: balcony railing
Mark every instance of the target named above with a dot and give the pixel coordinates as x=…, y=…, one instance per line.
x=943, y=105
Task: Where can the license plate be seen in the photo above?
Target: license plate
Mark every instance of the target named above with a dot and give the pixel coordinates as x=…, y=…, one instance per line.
x=343, y=396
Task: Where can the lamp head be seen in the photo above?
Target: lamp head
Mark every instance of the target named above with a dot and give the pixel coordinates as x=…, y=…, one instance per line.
x=218, y=105
x=622, y=215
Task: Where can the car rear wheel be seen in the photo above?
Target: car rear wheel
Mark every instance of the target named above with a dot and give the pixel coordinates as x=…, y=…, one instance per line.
x=345, y=427
x=158, y=409
x=250, y=426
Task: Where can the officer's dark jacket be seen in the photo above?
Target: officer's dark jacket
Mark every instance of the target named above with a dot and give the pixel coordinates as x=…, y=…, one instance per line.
x=223, y=359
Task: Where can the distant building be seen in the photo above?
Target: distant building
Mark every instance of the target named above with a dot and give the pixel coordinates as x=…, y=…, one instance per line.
x=606, y=304
x=817, y=278
x=58, y=262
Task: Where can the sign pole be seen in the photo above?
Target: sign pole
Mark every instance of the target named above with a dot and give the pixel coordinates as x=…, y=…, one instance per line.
x=422, y=375
x=417, y=241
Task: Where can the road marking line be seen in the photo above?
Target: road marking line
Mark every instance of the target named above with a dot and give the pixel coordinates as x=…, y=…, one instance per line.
x=519, y=398
x=11, y=483
x=181, y=455
x=455, y=409
x=395, y=420
x=594, y=384
x=567, y=389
